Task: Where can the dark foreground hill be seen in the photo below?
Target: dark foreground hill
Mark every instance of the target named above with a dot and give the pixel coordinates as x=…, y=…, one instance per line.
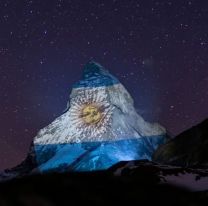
x=127, y=183
x=188, y=149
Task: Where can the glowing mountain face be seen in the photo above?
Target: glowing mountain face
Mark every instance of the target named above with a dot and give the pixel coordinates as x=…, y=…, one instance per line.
x=90, y=113
x=99, y=128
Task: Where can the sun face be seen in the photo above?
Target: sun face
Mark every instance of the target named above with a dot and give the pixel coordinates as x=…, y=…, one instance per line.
x=90, y=114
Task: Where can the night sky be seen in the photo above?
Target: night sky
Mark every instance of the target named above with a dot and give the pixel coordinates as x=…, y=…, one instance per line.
x=157, y=49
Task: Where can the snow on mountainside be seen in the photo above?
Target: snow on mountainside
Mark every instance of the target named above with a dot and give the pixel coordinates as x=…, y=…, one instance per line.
x=99, y=129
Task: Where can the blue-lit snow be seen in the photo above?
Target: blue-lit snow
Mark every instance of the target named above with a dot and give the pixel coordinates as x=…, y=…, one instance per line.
x=95, y=155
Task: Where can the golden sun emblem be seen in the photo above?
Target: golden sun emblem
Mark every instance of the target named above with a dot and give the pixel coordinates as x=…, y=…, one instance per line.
x=90, y=114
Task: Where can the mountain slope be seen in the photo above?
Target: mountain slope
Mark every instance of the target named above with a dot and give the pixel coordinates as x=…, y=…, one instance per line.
x=99, y=128
x=188, y=149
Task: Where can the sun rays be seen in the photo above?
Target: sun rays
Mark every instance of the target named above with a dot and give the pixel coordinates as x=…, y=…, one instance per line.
x=91, y=113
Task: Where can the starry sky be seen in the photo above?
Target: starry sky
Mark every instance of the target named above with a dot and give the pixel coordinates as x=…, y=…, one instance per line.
x=157, y=49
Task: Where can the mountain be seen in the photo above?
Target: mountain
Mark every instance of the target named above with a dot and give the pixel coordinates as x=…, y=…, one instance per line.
x=99, y=128
x=126, y=183
x=188, y=149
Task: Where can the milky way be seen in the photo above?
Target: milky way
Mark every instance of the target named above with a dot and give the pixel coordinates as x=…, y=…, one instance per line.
x=157, y=49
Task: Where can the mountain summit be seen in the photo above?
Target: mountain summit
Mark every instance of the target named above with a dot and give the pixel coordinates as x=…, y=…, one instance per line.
x=95, y=75
x=99, y=128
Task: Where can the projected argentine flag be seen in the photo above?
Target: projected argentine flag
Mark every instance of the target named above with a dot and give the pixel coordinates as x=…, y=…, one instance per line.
x=99, y=128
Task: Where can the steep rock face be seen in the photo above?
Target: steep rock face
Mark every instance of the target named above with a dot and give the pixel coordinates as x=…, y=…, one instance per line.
x=99, y=128
x=189, y=149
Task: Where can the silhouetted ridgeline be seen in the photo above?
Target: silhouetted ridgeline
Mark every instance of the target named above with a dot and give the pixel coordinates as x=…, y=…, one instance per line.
x=127, y=183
